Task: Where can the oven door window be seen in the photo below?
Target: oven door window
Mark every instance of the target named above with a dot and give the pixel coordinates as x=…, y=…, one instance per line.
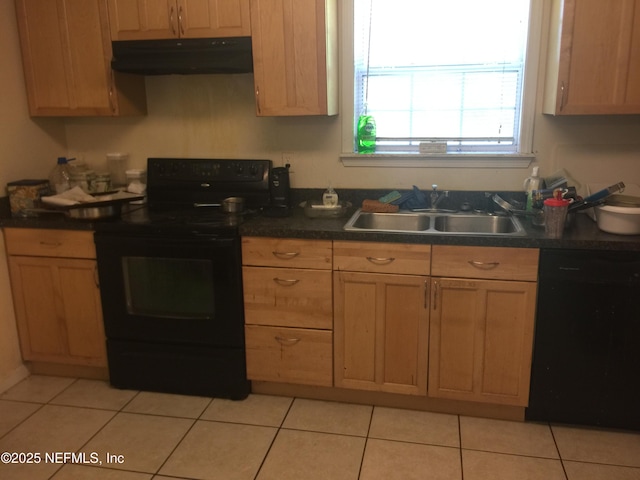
x=169, y=287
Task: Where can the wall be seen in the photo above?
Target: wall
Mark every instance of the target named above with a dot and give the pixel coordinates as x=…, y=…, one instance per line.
x=214, y=116
x=28, y=150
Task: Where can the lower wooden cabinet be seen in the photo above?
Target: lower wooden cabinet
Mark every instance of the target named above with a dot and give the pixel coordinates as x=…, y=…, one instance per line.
x=381, y=332
x=288, y=310
x=481, y=339
x=289, y=355
x=288, y=297
x=56, y=298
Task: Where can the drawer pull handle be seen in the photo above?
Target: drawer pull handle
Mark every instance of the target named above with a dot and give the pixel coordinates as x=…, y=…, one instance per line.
x=287, y=341
x=286, y=282
x=50, y=244
x=381, y=261
x=484, y=265
x=285, y=255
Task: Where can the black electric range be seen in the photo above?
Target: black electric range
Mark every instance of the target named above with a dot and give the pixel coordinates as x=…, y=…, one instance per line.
x=171, y=279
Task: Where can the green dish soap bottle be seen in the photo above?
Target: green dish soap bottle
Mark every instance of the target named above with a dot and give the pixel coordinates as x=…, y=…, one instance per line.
x=366, y=134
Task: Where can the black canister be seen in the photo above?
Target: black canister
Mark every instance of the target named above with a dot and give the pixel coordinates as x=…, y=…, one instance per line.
x=280, y=190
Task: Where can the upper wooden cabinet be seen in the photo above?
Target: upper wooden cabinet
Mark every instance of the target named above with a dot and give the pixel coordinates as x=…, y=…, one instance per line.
x=157, y=19
x=295, y=57
x=594, y=58
x=66, y=50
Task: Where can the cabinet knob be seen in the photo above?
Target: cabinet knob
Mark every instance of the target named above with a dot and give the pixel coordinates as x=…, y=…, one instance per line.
x=483, y=265
x=286, y=282
x=172, y=23
x=380, y=260
x=287, y=341
x=285, y=255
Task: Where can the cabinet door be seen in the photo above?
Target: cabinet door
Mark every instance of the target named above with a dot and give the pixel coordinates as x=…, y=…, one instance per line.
x=162, y=19
x=295, y=57
x=594, y=63
x=381, y=332
x=66, y=52
x=143, y=19
x=481, y=334
x=58, y=310
x=214, y=18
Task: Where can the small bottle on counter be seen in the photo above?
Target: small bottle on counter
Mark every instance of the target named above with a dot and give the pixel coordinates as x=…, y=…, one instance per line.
x=60, y=178
x=534, y=182
x=330, y=197
x=102, y=182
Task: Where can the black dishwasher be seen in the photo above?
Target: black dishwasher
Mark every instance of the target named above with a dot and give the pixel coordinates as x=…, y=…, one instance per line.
x=586, y=361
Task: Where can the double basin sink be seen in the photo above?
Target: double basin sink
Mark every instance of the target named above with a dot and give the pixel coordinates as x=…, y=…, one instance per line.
x=434, y=222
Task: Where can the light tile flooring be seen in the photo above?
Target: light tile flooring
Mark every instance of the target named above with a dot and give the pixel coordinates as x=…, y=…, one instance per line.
x=132, y=435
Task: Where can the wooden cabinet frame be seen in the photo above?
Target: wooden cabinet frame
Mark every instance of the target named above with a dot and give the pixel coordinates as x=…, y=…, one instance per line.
x=66, y=53
x=481, y=340
x=164, y=19
x=594, y=58
x=295, y=56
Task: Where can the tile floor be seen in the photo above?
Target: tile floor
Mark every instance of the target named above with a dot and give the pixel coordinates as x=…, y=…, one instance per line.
x=132, y=435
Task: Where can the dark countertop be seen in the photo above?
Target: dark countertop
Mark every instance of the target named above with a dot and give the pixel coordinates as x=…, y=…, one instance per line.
x=584, y=233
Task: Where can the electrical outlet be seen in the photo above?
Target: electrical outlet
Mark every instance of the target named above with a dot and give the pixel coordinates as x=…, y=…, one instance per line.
x=287, y=158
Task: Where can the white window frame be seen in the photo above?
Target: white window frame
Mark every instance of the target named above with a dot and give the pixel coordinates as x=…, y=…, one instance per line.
x=450, y=159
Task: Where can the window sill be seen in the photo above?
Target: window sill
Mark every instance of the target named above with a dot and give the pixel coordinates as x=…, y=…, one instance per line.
x=413, y=160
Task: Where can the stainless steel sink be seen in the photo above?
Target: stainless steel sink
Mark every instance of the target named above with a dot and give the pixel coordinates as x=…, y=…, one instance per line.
x=490, y=224
x=391, y=222
x=435, y=223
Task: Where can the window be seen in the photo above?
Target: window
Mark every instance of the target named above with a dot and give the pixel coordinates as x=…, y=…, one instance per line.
x=439, y=73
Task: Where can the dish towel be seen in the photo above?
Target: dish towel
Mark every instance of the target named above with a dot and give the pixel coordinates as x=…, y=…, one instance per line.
x=73, y=196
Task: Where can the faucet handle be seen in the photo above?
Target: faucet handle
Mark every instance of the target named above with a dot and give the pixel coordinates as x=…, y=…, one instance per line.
x=434, y=187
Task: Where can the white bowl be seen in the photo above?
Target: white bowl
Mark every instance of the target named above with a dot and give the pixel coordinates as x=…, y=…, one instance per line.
x=618, y=220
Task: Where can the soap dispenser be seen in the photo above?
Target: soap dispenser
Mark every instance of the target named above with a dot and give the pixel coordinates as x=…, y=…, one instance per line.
x=534, y=182
x=330, y=197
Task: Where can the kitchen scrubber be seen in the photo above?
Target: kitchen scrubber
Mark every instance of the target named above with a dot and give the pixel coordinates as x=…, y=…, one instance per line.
x=390, y=197
x=376, y=206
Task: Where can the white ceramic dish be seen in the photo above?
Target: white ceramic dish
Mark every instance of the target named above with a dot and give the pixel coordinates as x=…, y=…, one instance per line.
x=617, y=220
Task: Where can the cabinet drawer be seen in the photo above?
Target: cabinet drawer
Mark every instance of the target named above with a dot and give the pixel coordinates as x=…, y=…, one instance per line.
x=50, y=243
x=289, y=355
x=286, y=252
x=382, y=257
x=288, y=297
x=498, y=263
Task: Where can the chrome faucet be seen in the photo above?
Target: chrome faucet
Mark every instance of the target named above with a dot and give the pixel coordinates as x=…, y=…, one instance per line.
x=436, y=197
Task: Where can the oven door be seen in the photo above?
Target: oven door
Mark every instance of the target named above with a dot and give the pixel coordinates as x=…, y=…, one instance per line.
x=178, y=289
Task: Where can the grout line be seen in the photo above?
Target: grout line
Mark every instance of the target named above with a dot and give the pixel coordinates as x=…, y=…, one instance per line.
x=555, y=442
x=41, y=405
x=460, y=451
x=366, y=441
x=278, y=429
x=157, y=472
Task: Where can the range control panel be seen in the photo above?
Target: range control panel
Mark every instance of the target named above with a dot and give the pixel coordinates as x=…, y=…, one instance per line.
x=181, y=182
x=181, y=169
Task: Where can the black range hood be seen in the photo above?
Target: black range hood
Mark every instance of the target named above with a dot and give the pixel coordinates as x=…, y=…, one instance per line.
x=183, y=56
